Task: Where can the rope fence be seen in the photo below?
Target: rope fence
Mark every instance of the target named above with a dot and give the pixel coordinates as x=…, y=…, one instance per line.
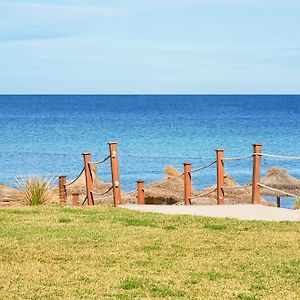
x=203, y=167
x=234, y=186
x=236, y=158
x=84, y=201
x=183, y=186
x=99, y=162
x=89, y=179
x=74, y=180
x=277, y=156
x=201, y=195
x=277, y=190
x=102, y=194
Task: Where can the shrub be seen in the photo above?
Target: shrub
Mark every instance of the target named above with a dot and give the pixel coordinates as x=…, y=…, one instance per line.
x=35, y=190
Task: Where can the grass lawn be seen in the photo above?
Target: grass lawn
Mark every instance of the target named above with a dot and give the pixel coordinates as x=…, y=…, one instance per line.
x=113, y=253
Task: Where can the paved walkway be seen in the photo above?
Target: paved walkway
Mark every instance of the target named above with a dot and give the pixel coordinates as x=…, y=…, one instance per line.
x=242, y=211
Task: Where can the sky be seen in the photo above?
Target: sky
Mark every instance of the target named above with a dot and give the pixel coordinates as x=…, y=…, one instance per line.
x=150, y=47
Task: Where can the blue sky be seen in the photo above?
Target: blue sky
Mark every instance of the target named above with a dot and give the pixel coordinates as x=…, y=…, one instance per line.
x=150, y=46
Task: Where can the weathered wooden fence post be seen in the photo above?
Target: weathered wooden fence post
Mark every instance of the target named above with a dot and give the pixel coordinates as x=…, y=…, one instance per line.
x=220, y=176
x=115, y=173
x=140, y=192
x=62, y=189
x=88, y=177
x=256, y=173
x=187, y=167
x=75, y=199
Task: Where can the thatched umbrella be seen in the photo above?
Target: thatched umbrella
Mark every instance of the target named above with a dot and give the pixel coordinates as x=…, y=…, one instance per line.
x=170, y=190
x=234, y=194
x=279, y=179
x=99, y=187
x=10, y=196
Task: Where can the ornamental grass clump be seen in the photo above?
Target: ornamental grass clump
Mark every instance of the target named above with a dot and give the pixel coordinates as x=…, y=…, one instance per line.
x=297, y=203
x=35, y=190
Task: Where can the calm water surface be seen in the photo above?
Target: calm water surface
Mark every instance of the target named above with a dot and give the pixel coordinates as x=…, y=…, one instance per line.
x=45, y=135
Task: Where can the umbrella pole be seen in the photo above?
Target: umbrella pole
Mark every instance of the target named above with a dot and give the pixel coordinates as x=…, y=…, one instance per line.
x=278, y=201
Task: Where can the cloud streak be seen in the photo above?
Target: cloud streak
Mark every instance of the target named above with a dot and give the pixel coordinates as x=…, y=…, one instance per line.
x=148, y=46
x=21, y=21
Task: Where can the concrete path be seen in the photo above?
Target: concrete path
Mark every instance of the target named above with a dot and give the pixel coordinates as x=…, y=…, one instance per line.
x=242, y=212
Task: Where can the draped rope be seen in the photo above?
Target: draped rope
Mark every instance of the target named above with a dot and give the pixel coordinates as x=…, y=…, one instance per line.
x=203, y=195
x=203, y=167
x=278, y=156
x=237, y=158
x=102, y=194
x=234, y=186
x=99, y=162
x=277, y=190
x=68, y=184
x=84, y=201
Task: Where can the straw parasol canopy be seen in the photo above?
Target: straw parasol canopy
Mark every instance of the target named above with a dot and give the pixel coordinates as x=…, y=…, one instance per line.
x=235, y=195
x=279, y=179
x=99, y=186
x=167, y=191
x=10, y=196
x=233, y=191
x=170, y=190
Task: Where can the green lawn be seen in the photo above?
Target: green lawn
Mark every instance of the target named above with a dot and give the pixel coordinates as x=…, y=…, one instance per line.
x=112, y=253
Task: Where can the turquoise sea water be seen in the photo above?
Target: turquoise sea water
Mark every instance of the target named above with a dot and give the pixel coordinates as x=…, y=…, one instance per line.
x=45, y=135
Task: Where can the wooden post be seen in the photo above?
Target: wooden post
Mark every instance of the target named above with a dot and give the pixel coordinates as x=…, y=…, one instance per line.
x=220, y=176
x=62, y=189
x=140, y=192
x=278, y=200
x=115, y=176
x=187, y=167
x=75, y=199
x=256, y=173
x=88, y=178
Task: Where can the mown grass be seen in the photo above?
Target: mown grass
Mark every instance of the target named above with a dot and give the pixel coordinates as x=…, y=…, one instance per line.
x=112, y=253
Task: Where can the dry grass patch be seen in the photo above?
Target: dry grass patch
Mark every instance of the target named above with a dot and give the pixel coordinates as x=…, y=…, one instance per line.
x=35, y=190
x=297, y=203
x=109, y=253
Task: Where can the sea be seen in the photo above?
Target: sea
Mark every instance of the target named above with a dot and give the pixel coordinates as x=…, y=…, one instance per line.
x=46, y=135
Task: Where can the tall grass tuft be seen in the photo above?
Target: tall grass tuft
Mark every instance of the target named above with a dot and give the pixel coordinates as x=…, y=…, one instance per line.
x=297, y=203
x=35, y=190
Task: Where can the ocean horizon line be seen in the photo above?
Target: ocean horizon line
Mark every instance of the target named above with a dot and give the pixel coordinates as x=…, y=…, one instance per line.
x=151, y=94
